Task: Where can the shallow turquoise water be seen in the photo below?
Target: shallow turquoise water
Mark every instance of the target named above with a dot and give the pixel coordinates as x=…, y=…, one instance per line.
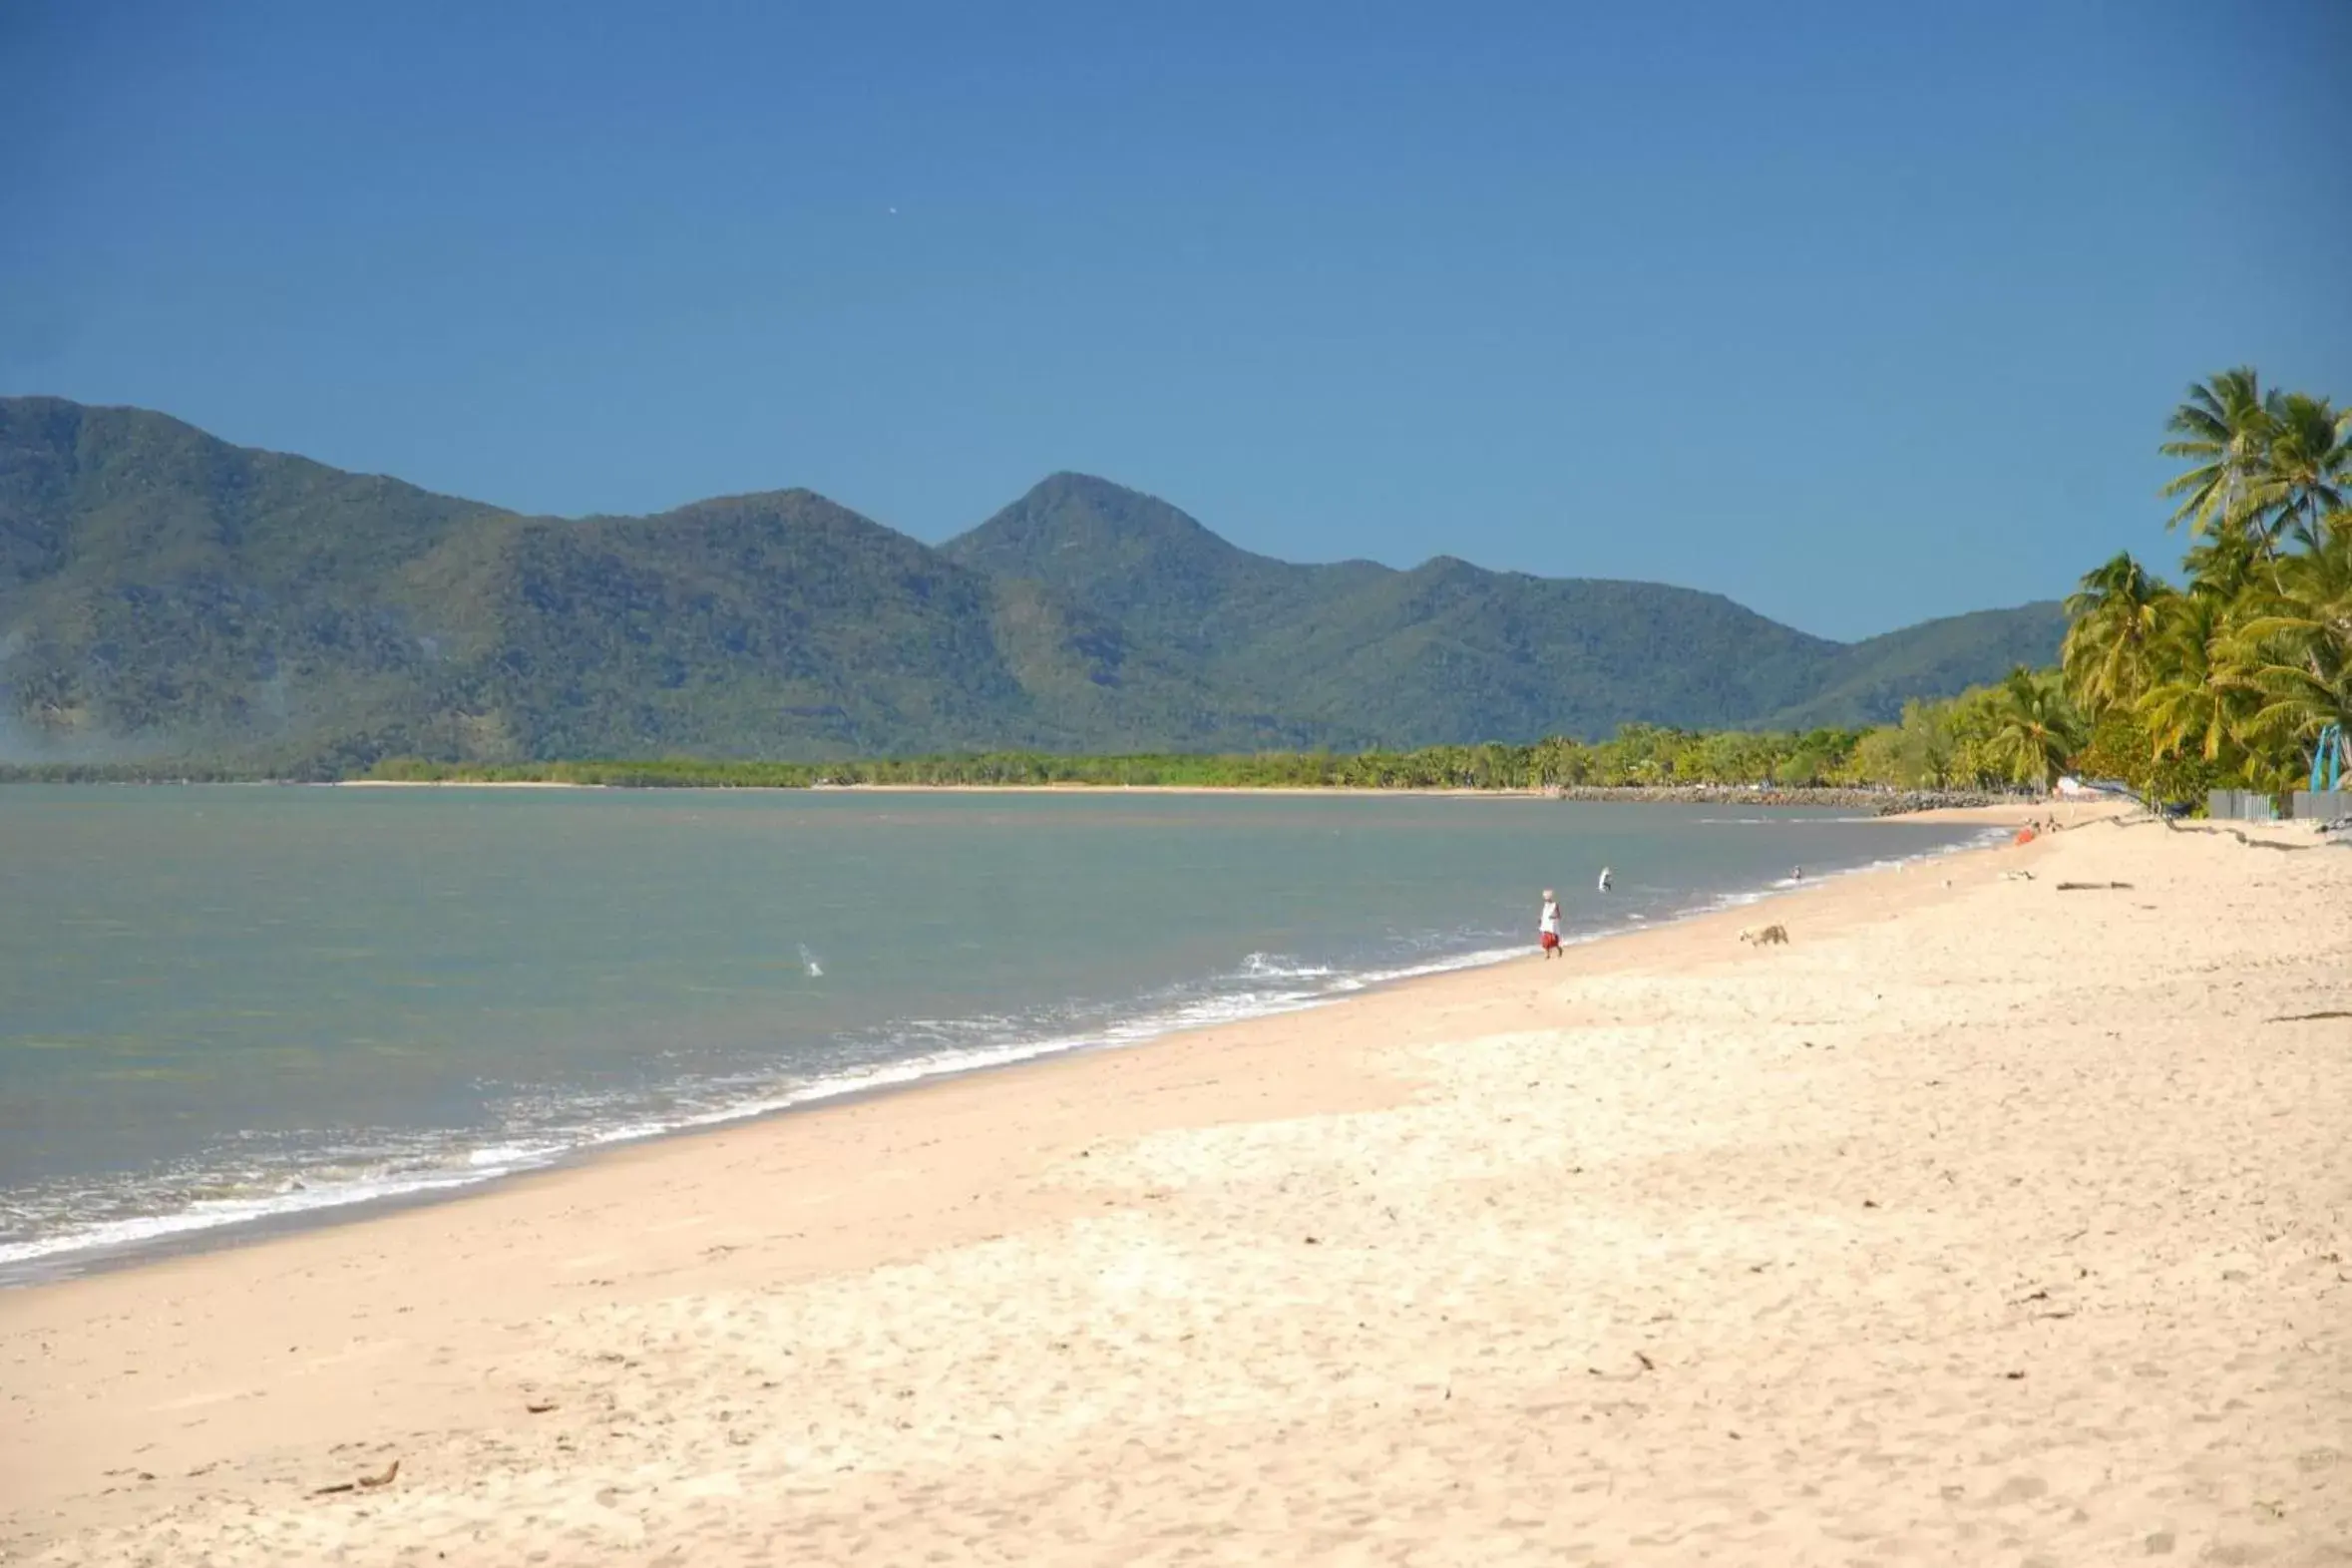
x=222, y=1003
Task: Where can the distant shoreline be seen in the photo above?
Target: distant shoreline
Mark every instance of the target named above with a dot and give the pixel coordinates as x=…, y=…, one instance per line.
x=451, y=784
x=1879, y=802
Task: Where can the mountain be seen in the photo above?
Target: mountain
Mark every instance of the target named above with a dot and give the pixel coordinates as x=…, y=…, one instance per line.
x=161, y=588
x=1869, y=681
x=163, y=593
x=1450, y=653
x=1157, y=571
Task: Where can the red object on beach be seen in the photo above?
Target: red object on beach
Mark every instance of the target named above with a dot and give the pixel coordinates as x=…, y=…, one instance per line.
x=2025, y=835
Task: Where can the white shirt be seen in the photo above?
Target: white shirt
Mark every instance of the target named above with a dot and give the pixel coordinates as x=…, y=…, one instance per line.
x=1551, y=917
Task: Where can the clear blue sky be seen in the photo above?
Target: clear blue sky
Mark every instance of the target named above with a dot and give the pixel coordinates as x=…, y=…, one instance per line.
x=1860, y=313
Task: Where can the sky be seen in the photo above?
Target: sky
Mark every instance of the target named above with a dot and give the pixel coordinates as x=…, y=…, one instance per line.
x=1858, y=314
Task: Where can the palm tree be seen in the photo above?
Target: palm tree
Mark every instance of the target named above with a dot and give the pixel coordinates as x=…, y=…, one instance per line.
x=1928, y=745
x=2224, y=429
x=2220, y=566
x=2307, y=467
x=2294, y=651
x=2034, y=730
x=2195, y=697
x=2113, y=620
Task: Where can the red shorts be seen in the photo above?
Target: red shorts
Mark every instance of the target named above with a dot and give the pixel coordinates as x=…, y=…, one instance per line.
x=1549, y=939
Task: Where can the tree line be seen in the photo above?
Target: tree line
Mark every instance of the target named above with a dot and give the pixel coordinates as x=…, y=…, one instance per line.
x=2236, y=676
x=1987, y=739
x=1970, y=741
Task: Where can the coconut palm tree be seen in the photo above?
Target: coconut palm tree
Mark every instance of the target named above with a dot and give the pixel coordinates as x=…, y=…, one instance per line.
x=2220, y=566
x=2114, y=618
x=2306, y=468
x=2196, y=695
x=2293, y=652
x=2254, y=659
x=2034, y=728
x=2223, y=430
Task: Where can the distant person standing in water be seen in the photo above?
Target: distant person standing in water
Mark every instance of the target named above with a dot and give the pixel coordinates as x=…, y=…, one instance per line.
x=1547, y=925
x=1604, y=879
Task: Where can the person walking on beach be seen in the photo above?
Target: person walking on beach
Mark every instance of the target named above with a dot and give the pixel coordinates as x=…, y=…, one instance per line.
x=1547, y=925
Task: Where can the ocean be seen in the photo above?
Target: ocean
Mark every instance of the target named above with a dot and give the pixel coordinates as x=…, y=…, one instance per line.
x=227, y=1005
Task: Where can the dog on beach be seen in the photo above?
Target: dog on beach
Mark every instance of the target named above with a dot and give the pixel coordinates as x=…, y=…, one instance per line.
x=1766, y=935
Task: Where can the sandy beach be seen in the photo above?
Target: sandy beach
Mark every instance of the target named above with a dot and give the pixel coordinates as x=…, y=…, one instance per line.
x=1990, y=1220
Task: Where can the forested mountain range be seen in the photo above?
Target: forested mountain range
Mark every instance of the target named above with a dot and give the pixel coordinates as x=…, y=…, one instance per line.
x=163, y=593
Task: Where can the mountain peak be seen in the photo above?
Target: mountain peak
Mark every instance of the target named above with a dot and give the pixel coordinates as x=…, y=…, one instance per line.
x=1102, y=543
x=1070, y=482
x=756, y=503
x=1066, y=506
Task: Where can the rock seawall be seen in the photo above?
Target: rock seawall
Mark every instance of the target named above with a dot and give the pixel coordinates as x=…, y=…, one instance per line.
x=1878, y=802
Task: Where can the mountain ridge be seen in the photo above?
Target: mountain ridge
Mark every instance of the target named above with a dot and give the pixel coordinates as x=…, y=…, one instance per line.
x=168, y=591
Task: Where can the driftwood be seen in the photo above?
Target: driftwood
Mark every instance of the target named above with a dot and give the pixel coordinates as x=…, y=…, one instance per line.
x=364, y=1483
x=2239, y=835
x=2270, y=843
x=2306, y=1018
x=2094, y=887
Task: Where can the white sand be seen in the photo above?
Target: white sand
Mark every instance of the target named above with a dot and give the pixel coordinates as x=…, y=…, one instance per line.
x=1995, y=1224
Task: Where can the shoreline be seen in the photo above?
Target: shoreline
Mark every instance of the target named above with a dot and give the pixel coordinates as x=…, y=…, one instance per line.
x=1880, y=802
x=1975, y=1221
x=991, y=1150
x=437, y=784
x=186, y=1240
x=1876, y=800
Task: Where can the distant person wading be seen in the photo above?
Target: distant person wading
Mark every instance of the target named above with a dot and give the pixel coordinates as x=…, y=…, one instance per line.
x=1547, y=925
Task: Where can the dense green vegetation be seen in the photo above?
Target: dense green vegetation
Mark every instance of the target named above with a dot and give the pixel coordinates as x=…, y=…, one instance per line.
x=189, y=605
x=2230, y=678
x=164, y=594
x=1990, y=738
